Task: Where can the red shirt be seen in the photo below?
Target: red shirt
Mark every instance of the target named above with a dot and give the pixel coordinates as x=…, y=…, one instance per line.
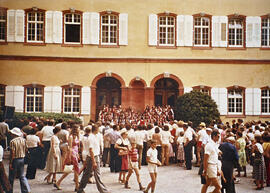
x=133, y=154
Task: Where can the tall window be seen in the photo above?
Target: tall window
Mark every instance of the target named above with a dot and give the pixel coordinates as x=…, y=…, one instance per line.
x=202, y=26
x=3, y=24
x=266, y=32
x=203, y=89
x=72, y=27
x=2, y=96
x=109, y=28
x=35, y=25
x=236, y=31
x=167, y=30
x=71, y=99
x=34, y=99
x=265, y=100
x=235, y=101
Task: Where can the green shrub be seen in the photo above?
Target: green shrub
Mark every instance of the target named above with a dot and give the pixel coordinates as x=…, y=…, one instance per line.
x=196, y=107
x=55, y=116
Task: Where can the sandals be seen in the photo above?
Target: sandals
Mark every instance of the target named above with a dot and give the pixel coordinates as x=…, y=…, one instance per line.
x=57, y=187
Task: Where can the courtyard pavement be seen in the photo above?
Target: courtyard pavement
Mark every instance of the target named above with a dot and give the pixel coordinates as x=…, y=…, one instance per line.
x=171, y=179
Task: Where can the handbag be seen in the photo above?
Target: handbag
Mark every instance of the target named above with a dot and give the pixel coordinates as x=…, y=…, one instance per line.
x=122, y=152
x=68, y=169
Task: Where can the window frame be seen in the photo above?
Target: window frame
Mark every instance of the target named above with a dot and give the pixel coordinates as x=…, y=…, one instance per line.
x=267, y=113
x=158, y=30
x=203, y=15
x=101, y=14
x=25, y=97
x=243, y=90
x=4, y=86
x=200, y=87
x=243, y=18
x=75, y=44
x=262, y=18
x=3, y=9
x=63, y=98
x=35, y=10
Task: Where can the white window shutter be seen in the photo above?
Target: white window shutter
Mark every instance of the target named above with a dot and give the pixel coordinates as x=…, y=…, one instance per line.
x=256, y=32
x=19, y=31
x=216, y=31
x=86, y=28
x=11, y=25
x=56, y=99
x=48, y=99
x=18, y=98
x=49, y=27
x=214, y=95
x=257, y=101
x=188, y=36
x=57, y=27
x=180, y=30
x=187, y=89
x=94, y=28
x=85, y=104
x=9, y=98
x=223, y=101
x=249, y=31
x=249, y=101
x=223, y=21
x=123, y=29
x=152, y=31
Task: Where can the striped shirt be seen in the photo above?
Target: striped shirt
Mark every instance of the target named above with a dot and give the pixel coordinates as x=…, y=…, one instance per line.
x=133, y=154
x=18, y=147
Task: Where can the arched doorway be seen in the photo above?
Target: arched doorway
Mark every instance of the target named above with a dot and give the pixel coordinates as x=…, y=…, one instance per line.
x=166, y=92
x=108, y=92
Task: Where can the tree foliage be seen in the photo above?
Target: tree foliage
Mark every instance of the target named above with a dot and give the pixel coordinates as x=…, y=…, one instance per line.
x=196, y=107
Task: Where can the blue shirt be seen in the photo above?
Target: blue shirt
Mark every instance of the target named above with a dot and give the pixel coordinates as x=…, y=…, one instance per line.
x=229, y=152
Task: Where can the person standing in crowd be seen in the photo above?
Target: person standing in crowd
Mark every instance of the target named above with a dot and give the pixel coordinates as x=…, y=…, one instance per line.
x=188, y=146
x=139, y=135
x=153, y=162
x=4, y=129
x=241, y=147
x=258, y=165
x=93, y=163
x=45, y=136
x=4, y=183
x=133, y=166
x=166, y=138
x=157, y=137
x=266, y=150
x=54, y=164
x=201, y=134
x=114, y=135
x=181, y=153
x=122, y=145
x=72, y=157
x=63, y=135
x=32, y=143
x=211, y=163
x=16, y=164
x=229, y=159
x=107, y=145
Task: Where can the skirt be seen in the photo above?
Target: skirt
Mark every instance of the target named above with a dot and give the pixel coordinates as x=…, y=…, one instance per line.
x=54, y=165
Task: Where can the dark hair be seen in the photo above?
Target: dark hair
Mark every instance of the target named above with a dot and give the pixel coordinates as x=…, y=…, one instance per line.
x=258, y=138
x=214, y=133
x=114, y=127
x=64, y=125
x=157, y=130
x=32, y=132
x=240, y=134
x=95, y=128
x=56, y=130
x=166, y=128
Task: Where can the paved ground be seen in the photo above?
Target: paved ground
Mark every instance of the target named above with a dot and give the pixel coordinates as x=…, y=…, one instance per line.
x=171, y=179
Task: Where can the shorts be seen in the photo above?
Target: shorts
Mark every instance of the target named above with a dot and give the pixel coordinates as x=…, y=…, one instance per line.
x=133, y=165
x=152, y=168
x=212, y=171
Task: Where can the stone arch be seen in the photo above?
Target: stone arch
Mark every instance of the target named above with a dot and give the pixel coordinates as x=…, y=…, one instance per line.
x=140, y=80
x=136, y=94
x=102, y=75
x=154, y=80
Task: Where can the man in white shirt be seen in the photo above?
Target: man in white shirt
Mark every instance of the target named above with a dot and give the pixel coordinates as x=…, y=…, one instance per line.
x=211, y=163
x=93, y=163
x=188, y=146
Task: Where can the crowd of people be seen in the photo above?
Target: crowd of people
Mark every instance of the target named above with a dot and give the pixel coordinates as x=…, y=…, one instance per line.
x=124, y=140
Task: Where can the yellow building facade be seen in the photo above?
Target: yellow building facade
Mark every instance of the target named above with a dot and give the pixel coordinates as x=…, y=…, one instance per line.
x=75, y=56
